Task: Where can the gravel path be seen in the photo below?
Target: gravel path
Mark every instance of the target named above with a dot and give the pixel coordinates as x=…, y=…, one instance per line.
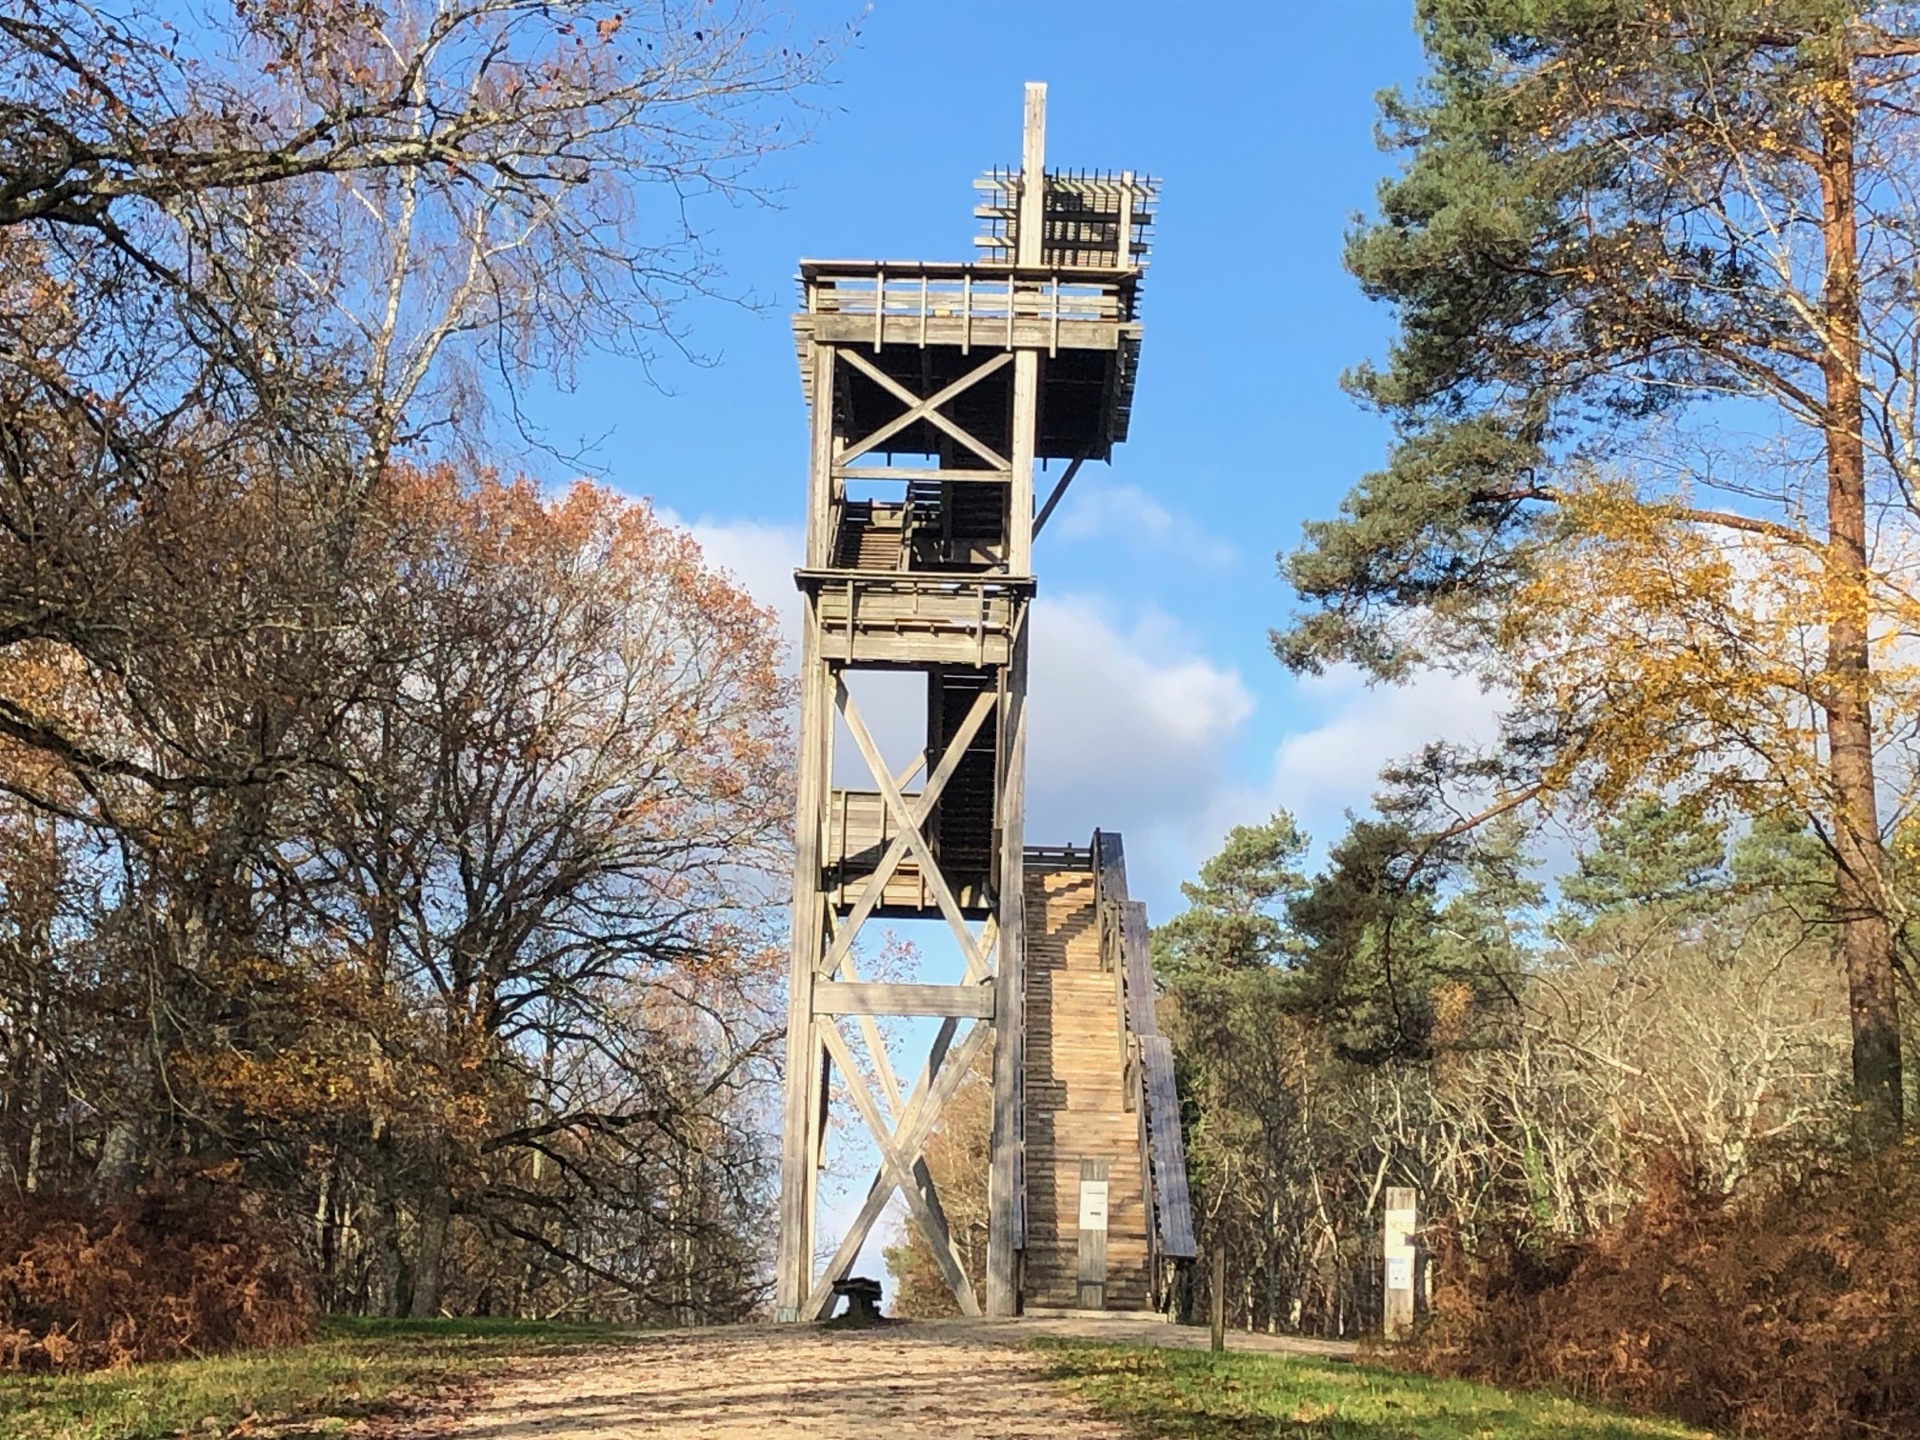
x=795, y=1382
x=945, y=1379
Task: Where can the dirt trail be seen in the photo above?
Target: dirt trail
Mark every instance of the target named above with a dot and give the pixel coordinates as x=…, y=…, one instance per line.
x=957, y=1380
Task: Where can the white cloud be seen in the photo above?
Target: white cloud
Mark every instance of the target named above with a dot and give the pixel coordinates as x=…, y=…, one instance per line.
x=1333, y=766
x=1128, y=513
x=1132, y=730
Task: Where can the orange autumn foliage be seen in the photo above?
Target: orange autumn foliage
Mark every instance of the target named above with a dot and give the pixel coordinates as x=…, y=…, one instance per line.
x=154, y=1278
x=1793, y=1316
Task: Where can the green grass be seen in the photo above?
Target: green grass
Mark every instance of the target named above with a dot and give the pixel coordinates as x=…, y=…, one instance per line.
x=354, y=1369
x=1193, y=1395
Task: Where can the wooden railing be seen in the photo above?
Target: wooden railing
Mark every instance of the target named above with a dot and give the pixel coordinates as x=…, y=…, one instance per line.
x=982, y=295
x=1146, y=1053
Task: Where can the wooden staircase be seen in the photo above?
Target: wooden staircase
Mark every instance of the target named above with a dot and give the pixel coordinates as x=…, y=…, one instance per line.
x=1077, y=1104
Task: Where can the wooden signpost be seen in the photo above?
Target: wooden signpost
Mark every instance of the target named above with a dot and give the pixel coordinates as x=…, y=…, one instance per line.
x=1217, y=1299
x=1398, y=1246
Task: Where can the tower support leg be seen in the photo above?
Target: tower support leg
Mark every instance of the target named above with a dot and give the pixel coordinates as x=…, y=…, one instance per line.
x=803, y=1131
x=1006, y=1186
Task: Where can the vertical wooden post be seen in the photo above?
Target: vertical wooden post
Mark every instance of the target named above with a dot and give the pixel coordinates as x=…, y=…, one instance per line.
x=1006, y=1218
x=1026, y=363
x=1398, y=1250
x=819, y=548
x=1217, y=1298
x=1026, y=418
x=804, y=1121
x=804, y=1132
x=1030, y=239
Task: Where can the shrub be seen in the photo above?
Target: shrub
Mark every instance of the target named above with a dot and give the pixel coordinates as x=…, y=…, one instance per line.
x=160, y=1276
x=1791, y=1316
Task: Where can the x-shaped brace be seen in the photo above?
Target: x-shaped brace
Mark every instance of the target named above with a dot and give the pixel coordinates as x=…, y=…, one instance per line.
x=904, y=1170
x=936, y=1086
x=927, y=409
x=910, y=820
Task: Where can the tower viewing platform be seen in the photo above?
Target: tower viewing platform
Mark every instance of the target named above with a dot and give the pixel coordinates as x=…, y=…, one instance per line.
x=937, y=393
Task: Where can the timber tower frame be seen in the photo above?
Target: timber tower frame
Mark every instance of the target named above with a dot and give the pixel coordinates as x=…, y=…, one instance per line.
x=970, y=375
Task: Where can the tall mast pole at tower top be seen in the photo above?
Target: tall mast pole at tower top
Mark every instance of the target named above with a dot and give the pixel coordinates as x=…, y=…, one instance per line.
x=1033, y=173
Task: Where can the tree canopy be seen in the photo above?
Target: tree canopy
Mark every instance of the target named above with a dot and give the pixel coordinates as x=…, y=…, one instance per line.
x=388, y=837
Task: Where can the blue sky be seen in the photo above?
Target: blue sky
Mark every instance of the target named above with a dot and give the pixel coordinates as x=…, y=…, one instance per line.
x=1158, y=708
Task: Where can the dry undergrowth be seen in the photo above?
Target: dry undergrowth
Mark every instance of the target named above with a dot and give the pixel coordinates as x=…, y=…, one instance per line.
x=1793, y=1317
x=91, y=1286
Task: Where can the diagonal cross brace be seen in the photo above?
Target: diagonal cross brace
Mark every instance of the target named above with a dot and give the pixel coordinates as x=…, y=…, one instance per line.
x=919, y=409
x=904, y=1173
x=869, y=1028
x=936, y=1086
x=909, y=832
x=909, y=819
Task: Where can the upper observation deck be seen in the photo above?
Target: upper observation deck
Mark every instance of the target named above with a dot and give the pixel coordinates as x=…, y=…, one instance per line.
x=927, y=324
x=1074, y=296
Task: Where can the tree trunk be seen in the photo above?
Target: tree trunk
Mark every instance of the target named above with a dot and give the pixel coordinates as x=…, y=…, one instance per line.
x=1866, y=943
x=119, y=1165
x=435, y=1211
x=383, y=1219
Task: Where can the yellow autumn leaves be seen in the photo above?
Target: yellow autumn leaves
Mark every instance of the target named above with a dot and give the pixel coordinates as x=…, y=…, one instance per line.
x=1655, y=646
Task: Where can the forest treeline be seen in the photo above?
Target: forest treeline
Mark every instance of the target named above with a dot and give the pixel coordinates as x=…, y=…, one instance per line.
x=1651, y=275
x=1625, y=1100
x=388, y=844
x=1523, y=1062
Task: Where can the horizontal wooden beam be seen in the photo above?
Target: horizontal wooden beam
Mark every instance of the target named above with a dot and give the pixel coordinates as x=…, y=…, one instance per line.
x=962, y=1002
x=908, y=472
x=980, y=333
x=988, y=272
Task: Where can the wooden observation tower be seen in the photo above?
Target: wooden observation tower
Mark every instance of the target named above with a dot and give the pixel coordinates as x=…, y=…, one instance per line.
x=934, y=391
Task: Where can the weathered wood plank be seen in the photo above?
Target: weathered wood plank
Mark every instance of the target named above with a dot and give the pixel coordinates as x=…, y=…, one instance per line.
x=1169, y=1151
x=804, y=1119
x=960, y=1002
x=1031, y=234
x=1007, y=1180
x=1136, y=950
x=911, y=472
x=1110, y=864
x=979, y=331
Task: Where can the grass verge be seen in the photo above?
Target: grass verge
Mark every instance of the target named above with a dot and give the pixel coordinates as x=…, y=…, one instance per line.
x=1194, y=1395
x=354, y=1370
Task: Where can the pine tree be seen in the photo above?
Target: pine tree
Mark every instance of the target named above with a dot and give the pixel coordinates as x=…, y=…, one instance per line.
x=1652, y=855
x=1234, y=918
x=1610, y=210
